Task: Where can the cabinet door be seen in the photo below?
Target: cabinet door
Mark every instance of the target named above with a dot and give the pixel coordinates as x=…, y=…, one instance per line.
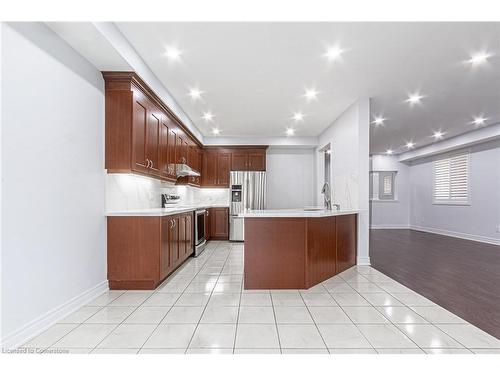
x=153, y=141
x=346, y=241
x=166, y=265
x=178, y=150
x=223, y=166
x=189, y=234
x=208, y=234
x=172, y=143
x=173, y=236
x=209, y=177
x=139, y=126
x=164, y=147
x=219, y=223
x=257, y=161
x=182, y=237
x=239, y=161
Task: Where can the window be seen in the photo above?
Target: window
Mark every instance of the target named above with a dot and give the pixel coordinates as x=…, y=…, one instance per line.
x=451, y=180
x=382, y=185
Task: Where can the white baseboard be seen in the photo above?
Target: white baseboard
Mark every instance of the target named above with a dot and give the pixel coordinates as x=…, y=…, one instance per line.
x=363, y=261
x=40, y=324
x=389, y=226
x=465, y=236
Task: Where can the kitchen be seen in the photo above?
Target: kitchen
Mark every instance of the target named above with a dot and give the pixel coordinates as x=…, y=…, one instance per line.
x=135, y=237
x=200, y=209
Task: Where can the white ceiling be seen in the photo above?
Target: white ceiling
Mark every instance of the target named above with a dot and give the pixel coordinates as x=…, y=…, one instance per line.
x=254, y=75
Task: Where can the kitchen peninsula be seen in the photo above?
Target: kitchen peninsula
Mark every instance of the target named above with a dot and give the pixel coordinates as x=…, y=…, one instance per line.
x=297, y=249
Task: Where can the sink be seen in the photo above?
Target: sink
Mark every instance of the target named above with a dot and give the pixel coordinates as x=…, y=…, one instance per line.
x=314, y=208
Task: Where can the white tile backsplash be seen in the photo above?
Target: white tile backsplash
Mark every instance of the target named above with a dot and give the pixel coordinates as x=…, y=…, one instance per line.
x=130, y=192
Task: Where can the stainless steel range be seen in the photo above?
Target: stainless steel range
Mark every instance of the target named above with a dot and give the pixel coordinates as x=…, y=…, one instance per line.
x=199, y=231
x=248, y=192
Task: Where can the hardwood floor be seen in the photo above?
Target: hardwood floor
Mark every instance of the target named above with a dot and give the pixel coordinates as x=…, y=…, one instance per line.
x=460, y=275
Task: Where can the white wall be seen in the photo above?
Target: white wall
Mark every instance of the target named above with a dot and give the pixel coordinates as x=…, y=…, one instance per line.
x=391, y=214
x=415, y=209
x=348, y=137
x=480, y=219
x=53, y=225
x=290, y=177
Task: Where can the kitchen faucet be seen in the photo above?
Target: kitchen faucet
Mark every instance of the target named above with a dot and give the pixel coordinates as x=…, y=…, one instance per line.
x=327, y=195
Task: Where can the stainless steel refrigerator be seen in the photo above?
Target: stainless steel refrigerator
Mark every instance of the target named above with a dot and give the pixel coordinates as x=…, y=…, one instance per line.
x=248, y=192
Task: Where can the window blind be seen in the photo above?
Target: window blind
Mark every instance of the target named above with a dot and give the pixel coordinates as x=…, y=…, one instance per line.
x=451, y=180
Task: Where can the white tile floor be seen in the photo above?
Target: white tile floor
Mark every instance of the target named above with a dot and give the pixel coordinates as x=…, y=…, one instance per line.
x=203, y=308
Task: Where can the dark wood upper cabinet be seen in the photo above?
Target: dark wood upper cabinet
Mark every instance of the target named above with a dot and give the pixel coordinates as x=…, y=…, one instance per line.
x=167, y=152
x=142, y=134
x=139, y=127
x=153, y=141
x=208, y=177
x=223, y=167
x=219, y=223
x=248, y=159
x=257, y=161
x=239, y=161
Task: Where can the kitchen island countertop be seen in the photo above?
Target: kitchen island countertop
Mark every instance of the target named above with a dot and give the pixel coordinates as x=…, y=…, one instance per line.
x=296, y=212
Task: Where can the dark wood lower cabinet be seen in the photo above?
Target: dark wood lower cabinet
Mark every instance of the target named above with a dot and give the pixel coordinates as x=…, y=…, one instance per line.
x=219, y=223
x=346, y=241
x=207, y=225
x=297, y=253
x=143, y=251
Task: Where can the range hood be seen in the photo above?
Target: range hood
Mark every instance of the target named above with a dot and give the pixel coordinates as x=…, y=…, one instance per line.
x=182, y=170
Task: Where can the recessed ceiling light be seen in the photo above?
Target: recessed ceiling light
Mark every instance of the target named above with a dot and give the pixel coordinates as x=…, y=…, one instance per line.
x=478, y=121
x=410, y=144
x=414, y=98
x=333, y=53
x=389, y=152
x=438, y=134
x=208, y=116
x=378, y=120
x=195, y=93
x=311, y=94
x=215, y=131
x=290, y=131
x=298, y=116
x=479, y=58
x=173, y=53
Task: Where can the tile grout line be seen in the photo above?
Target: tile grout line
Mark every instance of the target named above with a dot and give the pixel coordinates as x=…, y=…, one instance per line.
x=275, y=321
x=362, y=334
x=317, y=328
x=77, y=324
x=205, y=307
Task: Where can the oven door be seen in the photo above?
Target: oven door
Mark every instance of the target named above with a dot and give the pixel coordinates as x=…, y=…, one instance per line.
x=200, y=227
x=199, y=232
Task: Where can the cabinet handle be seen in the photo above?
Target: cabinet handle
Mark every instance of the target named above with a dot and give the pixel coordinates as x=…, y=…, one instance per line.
x=147, y=163
x=151, y=163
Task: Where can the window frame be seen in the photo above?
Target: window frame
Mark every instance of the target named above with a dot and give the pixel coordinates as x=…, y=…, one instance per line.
x=450, y=202
x=379, y=183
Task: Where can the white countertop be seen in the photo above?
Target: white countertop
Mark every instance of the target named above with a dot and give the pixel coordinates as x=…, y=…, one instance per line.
x=296, y=212
x=163, y=211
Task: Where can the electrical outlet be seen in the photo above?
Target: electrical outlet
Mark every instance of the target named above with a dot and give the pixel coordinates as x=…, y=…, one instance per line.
x=498, y=228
